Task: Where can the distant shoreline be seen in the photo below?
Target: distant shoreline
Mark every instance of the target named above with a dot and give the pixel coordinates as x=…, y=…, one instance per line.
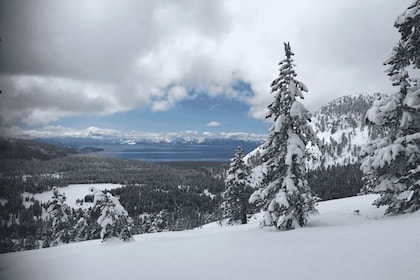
x=158, y=153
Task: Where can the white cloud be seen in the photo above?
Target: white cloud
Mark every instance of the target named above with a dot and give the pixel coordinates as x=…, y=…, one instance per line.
x=213, y=124
x=41, y=100
x=114, y=59
x=174, y=95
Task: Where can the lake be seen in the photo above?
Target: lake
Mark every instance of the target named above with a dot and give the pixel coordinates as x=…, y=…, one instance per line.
x=162, y=152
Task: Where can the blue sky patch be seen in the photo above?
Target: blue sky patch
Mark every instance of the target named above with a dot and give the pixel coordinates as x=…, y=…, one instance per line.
x=190, y=114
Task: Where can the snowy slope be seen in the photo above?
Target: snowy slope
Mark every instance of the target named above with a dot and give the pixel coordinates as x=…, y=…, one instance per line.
x=336, y=245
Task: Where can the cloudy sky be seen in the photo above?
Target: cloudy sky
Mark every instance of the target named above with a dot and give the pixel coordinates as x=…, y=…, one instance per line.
x=183, y=65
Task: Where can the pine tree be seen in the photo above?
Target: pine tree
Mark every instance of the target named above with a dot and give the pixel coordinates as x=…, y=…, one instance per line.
x=285, y=195
x=392, y=163
x=114, y=219
x=60, y=211
x=82, y=227
x=235, y=205
x=409, y=28
x=160, y=222
x=30, y=243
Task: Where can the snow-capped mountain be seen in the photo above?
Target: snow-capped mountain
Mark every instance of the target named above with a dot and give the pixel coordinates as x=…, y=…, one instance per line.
x=115, y=136
x=341, y=127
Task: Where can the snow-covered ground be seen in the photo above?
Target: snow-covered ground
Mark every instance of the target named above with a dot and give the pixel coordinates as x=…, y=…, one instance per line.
x=338, y=244
x=72, y=192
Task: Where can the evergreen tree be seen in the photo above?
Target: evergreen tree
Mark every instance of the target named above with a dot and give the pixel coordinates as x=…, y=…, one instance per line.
x=392, y=163
x=114, y=219
x=30, y=243
x=235, y=205
x=285, y=195
x=409, y=28
x=82, y=228
x=160, y=222
x=60, y=211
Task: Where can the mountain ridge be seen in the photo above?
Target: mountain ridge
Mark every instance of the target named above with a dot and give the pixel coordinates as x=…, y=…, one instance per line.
x=340, y=125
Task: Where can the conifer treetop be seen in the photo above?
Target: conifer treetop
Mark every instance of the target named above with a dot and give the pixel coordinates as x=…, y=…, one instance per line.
x=408, y=24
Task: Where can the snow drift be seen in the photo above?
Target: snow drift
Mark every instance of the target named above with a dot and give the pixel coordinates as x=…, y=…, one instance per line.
x=338, y=244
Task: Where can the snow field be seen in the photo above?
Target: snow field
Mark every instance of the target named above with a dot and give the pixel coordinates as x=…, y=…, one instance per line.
x=337, y=245
x=72, y=192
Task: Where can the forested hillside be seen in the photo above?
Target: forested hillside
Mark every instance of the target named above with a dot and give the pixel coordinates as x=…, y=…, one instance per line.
x=29, y=149
x=341, y=127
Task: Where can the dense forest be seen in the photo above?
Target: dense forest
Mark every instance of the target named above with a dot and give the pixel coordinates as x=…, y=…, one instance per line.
x=158, y=196
x=336, y=181
x=178, y=194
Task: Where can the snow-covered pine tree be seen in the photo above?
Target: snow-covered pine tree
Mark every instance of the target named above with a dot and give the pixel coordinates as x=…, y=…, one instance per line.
x=160, y=222
x=392, y=164
x=59, y=211
x=235, y=204
x=285, y=195
x=114, y=219
x=409, y=28
x=30, y=243
x=82, y=228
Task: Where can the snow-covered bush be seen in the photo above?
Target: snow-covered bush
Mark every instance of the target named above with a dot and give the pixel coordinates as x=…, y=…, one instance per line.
x=392, y=164
x=235, y=204
x=85, y=227
x=285, y=195
x=114, y=219
x=159, y=222
x=61, y=231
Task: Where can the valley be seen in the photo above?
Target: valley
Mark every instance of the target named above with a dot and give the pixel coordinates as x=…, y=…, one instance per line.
x=179, y=180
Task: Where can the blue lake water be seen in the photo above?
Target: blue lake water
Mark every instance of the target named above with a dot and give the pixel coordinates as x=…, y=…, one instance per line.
x=157, y=152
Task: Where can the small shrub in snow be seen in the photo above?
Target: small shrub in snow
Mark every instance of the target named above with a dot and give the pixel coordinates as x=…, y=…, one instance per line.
x=159, y=222
x=30, y=243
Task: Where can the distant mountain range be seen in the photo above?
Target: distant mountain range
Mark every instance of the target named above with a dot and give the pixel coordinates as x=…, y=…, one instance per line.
x=339, y=124
x=101, y=135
